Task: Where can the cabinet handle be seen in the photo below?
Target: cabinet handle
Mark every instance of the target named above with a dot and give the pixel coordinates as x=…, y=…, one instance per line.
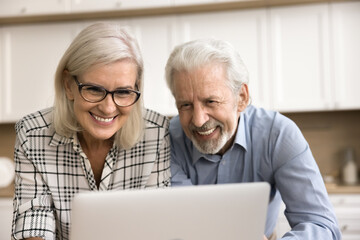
x=344, y=228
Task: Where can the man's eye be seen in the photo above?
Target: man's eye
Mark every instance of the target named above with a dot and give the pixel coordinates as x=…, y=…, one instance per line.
x=184, y=106
x=212, y=103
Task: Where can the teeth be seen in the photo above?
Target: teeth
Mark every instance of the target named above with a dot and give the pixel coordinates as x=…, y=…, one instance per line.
x=208, y=132
x=103, y=119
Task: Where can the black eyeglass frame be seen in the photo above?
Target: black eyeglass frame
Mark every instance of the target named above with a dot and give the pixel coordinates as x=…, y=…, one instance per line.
x=81, y=85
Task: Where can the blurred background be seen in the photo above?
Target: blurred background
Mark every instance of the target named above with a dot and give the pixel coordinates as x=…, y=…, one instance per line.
x=303, y=57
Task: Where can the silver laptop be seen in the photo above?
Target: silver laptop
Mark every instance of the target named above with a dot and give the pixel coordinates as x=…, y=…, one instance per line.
x=207, y=212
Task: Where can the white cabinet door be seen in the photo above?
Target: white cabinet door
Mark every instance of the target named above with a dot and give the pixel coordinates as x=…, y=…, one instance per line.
x=31, y=7
x=300, y=58
x=346, y=65
x=347, y=210
x=29, y=57
x=282, y=225
x=246, y=30
x=6, y=213
x=96, y=5
x=154, y=37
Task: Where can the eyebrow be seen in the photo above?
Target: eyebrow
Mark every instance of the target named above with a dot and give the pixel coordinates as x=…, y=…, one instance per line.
x=118, y=88
x=125, y=87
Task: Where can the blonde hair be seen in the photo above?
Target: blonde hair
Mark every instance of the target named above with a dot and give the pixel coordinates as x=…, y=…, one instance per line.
x=99, y=43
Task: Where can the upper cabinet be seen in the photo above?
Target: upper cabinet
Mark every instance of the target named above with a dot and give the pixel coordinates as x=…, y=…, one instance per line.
x=246, y=30
x=154, y=35
x=11, y=8
x=346, y=56
x=29, y=57
x=315, y=57
x=300, y=58
x=96, y=5
x=33, y=7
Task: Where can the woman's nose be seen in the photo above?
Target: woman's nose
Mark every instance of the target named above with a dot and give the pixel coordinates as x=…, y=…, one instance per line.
x=107, y=105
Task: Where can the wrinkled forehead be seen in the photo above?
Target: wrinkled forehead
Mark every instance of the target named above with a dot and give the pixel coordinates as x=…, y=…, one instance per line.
x=204, y=81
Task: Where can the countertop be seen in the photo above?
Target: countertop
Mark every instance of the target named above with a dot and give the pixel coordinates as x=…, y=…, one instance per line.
x=335, y=188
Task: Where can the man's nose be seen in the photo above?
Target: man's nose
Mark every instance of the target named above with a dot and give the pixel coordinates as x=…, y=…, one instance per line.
x=200, y=116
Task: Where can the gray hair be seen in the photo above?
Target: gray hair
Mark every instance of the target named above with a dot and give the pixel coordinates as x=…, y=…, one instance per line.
x=99, y=43
x=197, y=53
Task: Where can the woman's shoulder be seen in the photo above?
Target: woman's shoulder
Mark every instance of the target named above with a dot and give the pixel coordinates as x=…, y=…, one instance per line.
x=155, y=119
x=37, y=121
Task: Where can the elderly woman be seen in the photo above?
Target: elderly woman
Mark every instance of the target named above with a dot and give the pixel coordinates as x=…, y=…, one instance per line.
x=97, y=137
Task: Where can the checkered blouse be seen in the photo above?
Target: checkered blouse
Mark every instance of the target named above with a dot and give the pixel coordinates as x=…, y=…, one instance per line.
x=51, y=168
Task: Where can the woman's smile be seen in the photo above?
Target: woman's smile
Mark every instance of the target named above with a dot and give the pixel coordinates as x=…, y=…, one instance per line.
x=102, y=120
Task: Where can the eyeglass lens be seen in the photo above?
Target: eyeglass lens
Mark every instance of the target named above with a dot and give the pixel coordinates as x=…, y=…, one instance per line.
x=122, y=97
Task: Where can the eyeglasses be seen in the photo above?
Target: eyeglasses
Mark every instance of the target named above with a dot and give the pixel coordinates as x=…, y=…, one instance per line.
x=121, y=97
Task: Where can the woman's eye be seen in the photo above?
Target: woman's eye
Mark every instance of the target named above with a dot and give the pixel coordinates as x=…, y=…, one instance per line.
x=123, y=93
x=93, y=90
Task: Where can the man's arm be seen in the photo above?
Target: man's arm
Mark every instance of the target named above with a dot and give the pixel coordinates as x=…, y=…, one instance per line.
x=297, y=176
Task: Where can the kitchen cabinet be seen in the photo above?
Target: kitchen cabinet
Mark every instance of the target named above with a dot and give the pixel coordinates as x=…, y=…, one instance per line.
x=282, y=225
x=95, y=5
x=347, y=211
x=29, y=57
x=6, y=214
x=346, y=57
x=155, y=37
x=246, y=30
x=30, y=54
x=33, y=7
x=300, y=58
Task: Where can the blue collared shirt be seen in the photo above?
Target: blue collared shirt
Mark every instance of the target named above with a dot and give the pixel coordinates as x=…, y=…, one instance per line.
x=268, y=147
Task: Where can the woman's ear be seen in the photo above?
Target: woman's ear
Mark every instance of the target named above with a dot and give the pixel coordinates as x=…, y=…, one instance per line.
x=67, y=83
x=243, y=97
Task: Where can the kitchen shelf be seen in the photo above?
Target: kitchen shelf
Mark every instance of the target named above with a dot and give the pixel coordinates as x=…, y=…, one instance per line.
x=334, y=188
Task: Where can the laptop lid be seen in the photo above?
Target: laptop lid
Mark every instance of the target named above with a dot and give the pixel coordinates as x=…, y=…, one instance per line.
x=207, y=212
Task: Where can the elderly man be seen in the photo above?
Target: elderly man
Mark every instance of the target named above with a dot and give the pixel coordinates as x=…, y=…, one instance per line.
x=219, y=138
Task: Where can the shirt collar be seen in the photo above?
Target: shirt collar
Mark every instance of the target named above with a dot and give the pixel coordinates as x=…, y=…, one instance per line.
x=240, y=139
x=58, y=139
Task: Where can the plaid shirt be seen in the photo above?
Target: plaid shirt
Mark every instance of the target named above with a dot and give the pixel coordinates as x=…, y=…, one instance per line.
x=51, y=169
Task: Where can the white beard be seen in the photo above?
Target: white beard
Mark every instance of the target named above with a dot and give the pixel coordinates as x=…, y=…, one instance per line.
x=213, y=146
